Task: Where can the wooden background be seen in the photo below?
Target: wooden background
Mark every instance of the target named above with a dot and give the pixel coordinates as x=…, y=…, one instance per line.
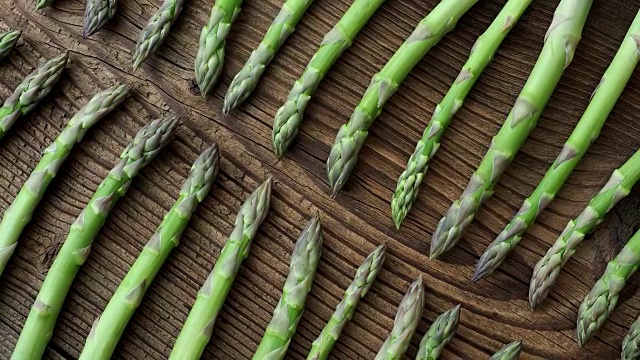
x=495, y=311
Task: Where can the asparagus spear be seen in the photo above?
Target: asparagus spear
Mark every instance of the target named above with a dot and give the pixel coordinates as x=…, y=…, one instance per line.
x=586, y=131
x=365, y=276
x=405, y=323
x=548, y=268
x=213, y=38
x=510, y=351
x=603, y=297
x=39, y=327
x=481, y=55
x=247, y=79
x=156, y=31
x=19, y=213
x=559, y=46
x=288, y=312
x=351, y=136
x=439, y=335
x=108, y=328
x=31, y=91
x=631, y=342
x=335, y=42
x=197, y=330
x=8, y=41
x=97, y=14
x=41, y=4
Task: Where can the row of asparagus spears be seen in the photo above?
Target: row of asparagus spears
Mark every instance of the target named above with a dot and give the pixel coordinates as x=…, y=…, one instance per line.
x=109, y=327
x=99, y=12
x=197, y=331
x=560, y=43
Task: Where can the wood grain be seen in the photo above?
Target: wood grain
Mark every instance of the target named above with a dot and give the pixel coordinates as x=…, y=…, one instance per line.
x=495, y=311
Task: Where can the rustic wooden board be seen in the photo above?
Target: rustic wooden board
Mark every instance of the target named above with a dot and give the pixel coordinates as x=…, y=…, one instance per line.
x=495, y=311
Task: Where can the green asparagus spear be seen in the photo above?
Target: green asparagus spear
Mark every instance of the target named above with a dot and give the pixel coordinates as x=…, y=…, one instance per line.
x=213, y=38
x=631, y=342
x=481, y=55
x=41, y=4
x=108, y=328
x=586, y=131
x=559, y=46
x=335, y=42
x=198, y=328
x=510, y=351
x=351, y=136
x=288, y=312
x=439, y=335
x=39, y=327
x=247, y=79
x=19, y=213
x=603, y=297
x=8, y=41
x=546, y=271
x=365, y=276
x=31, y=91
x=97, y=14
x=405, y=323
x=156, y=31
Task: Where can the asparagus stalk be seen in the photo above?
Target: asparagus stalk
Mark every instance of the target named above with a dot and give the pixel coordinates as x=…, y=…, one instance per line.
x=108, y=328
x=631, y=342
x=18, y=215
x=335, y=42
x=35, y=87
x=213, y=38
x=156, y=31
x=351, y=136
x=198, y=328
x=41, y=4
x=405, y=323
x=603, y=297
x=559, y=46
x=481, y=55
x=42, y=318
x=510, y=351
x=546, y=271
x=97, y=14
x=282, y=27
x=439, y=335
x=365, y=276
x=586, y=131
x=288, y=312
x=8, y=41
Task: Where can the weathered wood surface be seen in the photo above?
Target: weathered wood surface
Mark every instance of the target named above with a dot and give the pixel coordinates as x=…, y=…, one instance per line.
x=495, y=311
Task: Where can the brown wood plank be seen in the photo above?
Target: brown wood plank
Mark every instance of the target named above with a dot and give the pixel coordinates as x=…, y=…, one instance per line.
x=495, y=311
